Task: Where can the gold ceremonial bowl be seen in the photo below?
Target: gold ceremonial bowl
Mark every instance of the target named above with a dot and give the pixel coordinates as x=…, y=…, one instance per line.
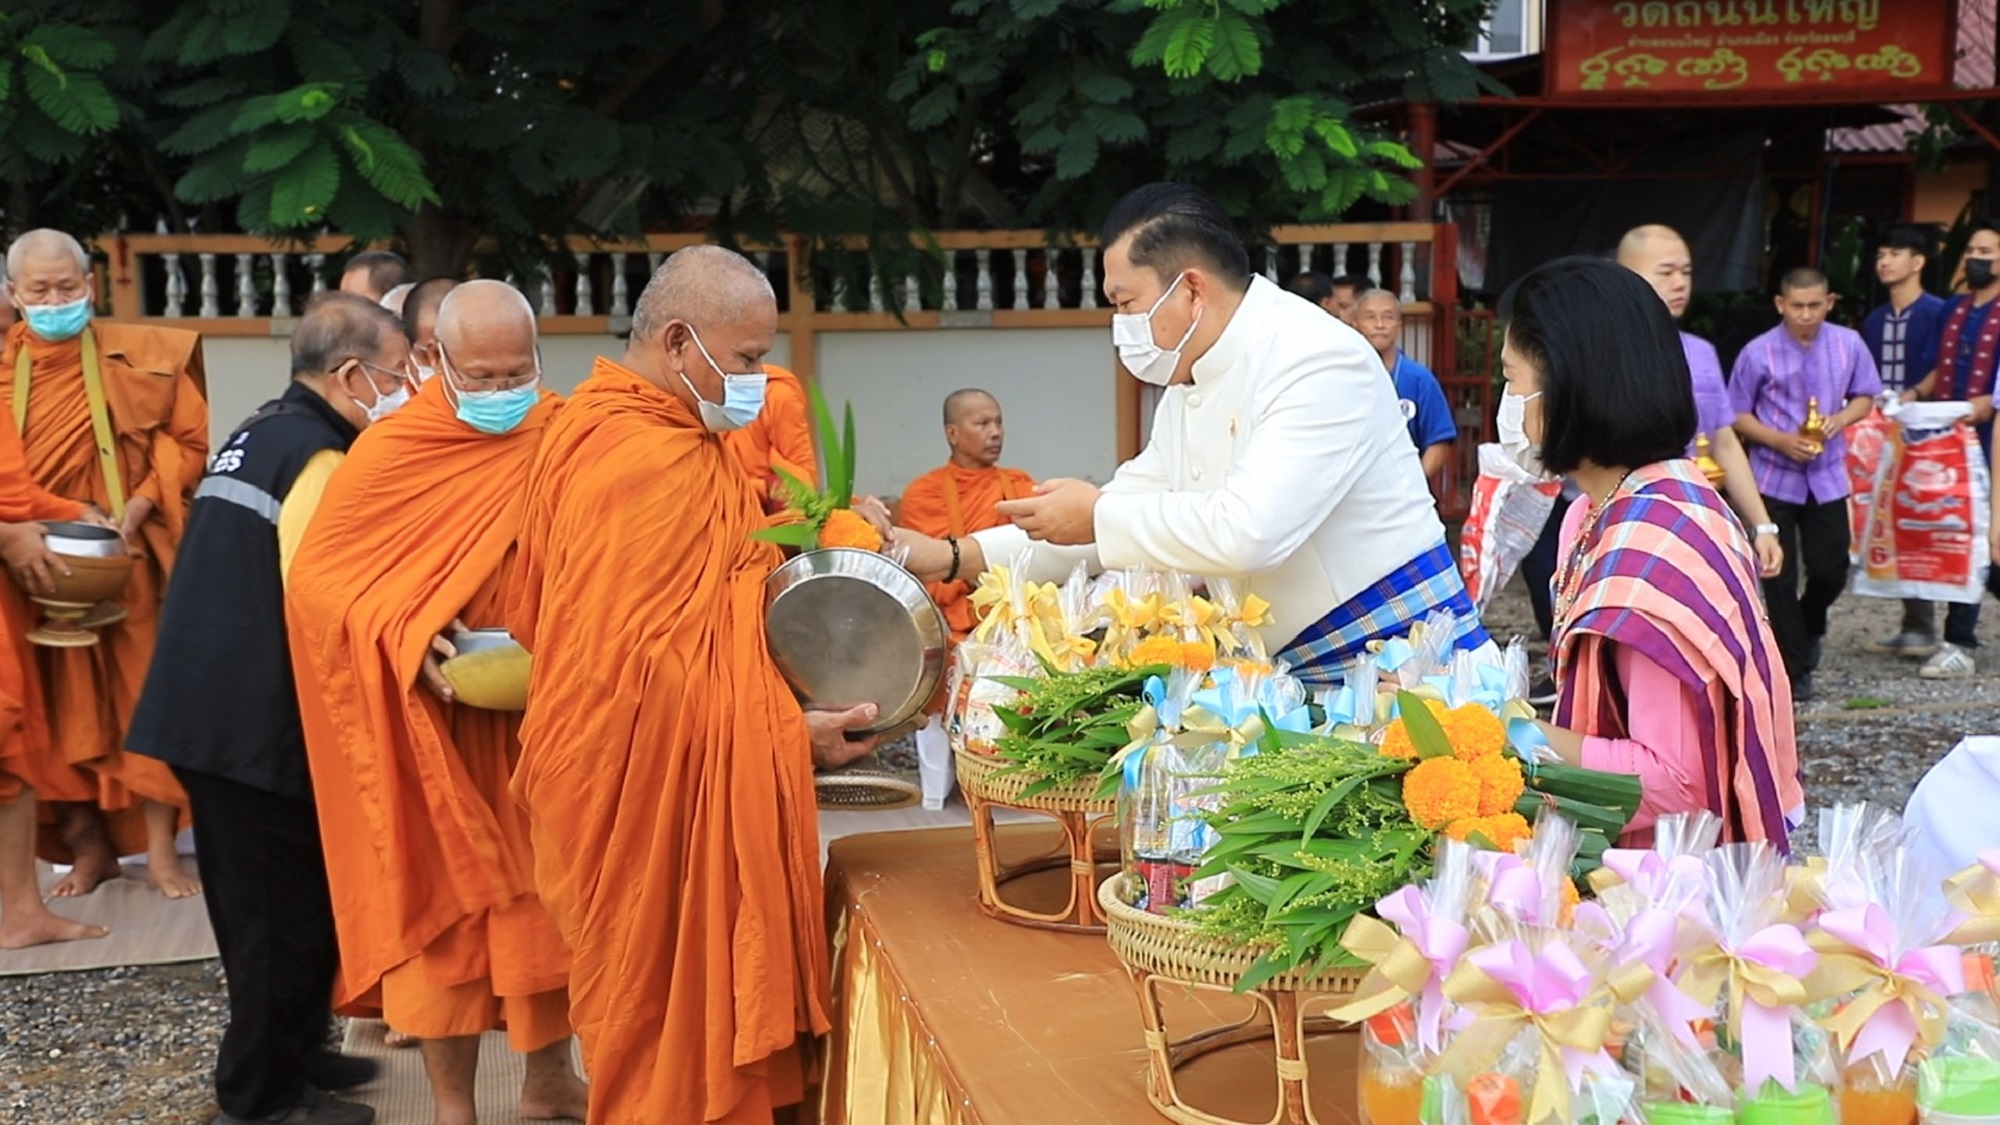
x=99, y=566
x=490, y=671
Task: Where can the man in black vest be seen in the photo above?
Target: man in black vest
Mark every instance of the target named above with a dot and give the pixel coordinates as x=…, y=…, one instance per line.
x=220, y=707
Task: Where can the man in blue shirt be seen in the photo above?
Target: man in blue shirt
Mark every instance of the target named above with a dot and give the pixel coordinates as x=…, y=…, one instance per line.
x=1379, y=315
x=1902, y=335
x=1968, y=360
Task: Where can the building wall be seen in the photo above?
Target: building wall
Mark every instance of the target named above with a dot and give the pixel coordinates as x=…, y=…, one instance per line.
x=1057, y=387
x=1939, y=196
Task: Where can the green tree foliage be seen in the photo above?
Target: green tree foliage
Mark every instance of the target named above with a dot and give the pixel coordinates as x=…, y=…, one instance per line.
x=451, y=124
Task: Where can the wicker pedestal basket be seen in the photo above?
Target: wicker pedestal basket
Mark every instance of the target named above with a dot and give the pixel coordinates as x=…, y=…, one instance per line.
x=1075, y=807
x=1163, y=951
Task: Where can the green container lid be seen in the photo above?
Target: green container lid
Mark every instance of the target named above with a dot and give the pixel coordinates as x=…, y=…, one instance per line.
x=1682, y=1113
x=1437, y=1096
x=1809, y=1106
x=1963, y=1087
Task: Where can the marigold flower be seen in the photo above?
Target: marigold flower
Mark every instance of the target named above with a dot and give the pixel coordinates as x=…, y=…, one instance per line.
x=1502, y=832
x=1500, y=783
x=1396, y=738
x=1195, y=656
x=1154, y=650
x=845, y=527
x=1439, y=791
x=1570, y=900
x=1474, y=732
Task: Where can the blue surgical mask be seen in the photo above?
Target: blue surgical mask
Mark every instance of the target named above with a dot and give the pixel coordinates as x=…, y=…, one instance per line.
x=491, y=412
x=56, y=323
x=742, y=395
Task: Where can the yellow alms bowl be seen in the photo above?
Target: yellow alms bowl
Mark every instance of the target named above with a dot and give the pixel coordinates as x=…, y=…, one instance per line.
x=493, y=680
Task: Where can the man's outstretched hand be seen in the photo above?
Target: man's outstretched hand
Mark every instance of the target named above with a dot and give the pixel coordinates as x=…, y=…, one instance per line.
x=1062, y=511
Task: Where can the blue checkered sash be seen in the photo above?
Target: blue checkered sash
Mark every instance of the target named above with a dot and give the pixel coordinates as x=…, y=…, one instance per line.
x=1426, y=584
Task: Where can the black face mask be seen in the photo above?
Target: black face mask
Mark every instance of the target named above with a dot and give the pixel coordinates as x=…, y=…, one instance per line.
x=1979, y=272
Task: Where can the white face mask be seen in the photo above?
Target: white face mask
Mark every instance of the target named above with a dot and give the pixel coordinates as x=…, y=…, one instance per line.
x=1511, y=423
x=1132, y=335
x=385, y=404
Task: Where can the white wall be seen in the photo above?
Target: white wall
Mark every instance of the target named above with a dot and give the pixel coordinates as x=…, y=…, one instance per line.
x=1057, y=386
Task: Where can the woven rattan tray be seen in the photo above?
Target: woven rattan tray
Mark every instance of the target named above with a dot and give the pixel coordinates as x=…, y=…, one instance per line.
x=983, y=776
x=1074, y=807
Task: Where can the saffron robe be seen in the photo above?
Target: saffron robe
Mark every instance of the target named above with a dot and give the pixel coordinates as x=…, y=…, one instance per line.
x=955, y=501
x=666, y=767
x=1669, y=572
x=426, y=852
x=27, y=757
x=154, y=389
x=780, y=437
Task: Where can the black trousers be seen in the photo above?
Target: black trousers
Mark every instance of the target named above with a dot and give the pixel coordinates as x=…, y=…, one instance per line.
x=1815, y=538
x=263, y=877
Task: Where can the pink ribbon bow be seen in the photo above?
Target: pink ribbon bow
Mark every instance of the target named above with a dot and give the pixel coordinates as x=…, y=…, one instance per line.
x=1441, y=941
x=1903, y=993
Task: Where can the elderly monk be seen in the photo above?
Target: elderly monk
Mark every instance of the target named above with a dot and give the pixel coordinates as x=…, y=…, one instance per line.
x=373, y=273
x=113, y=415
x=961, y=496
x=666, y=767
x=780, y=437
x=29, y=765
x=427, y=857
x=420, y=314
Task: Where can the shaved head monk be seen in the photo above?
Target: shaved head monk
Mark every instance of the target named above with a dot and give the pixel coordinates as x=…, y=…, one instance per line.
x=780, y=437
x=961, y=496
x=221, y=706
x=67, y=381
x=420, y=315
x=373, y=273
x=665, y=766
x=427, y=856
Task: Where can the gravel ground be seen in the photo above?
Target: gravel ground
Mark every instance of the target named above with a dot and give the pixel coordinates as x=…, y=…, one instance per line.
x=130, y=1045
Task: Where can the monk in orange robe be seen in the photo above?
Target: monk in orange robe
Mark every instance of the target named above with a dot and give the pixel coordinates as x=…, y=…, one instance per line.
x=154, y=420
x=665, y=766
x=960, y=497
x=427, y=856
x=780, y=437
x=30, y=768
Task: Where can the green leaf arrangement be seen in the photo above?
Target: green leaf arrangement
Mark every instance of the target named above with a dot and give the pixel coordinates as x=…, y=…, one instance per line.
x=1066, y=726
x=816, y=505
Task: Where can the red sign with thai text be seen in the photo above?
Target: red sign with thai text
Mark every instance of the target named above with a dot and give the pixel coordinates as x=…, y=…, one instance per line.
x=1856, y=51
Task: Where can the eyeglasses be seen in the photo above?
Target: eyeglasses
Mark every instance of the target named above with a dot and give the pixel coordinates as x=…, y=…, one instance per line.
x=457, y=379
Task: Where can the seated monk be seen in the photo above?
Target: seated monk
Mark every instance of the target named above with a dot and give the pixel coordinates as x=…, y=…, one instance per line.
x=426, y=855
x=30, y=766
x=665, y=765
x=150, y=396
x=780, y=437
x=960, y=497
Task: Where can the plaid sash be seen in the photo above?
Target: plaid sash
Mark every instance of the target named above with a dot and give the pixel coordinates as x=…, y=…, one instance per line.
x=1670, y=574
x=1985, y=350
x=1430, y=582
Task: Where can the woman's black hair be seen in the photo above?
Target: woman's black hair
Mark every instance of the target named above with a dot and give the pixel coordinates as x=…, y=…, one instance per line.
x=1615, y=383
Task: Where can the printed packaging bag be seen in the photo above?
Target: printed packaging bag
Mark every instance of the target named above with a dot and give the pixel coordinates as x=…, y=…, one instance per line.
x=1509, y=507
x=1927, y=518
x=1865, y=442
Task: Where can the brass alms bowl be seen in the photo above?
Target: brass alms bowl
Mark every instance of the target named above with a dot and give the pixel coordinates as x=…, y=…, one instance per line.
x=99, y=565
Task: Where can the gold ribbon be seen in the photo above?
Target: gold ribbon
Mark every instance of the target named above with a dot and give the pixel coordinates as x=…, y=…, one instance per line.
x=1843, y=969
x=1400, y=973
x=1975, y=891
x=1194, y=619
x=1199, y=727
x=1708, y=970
x=1500, y=1018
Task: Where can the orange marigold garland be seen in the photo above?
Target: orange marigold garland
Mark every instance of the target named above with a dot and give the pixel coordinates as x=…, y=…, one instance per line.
x=846, y=528
x=1440, y=790
x=1503, y=831
x=1474, y=732
x=1396, y=741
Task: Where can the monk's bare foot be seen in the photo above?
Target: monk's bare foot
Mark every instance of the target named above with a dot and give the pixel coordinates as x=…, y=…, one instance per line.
x=169, y=877
x=44, y=928
x=397, y=1039
x=86, y=875
x=554, y=1097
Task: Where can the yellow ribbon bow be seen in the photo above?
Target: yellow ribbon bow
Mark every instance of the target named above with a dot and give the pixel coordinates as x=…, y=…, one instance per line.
x=1193, y=619
x=992, y=604
x=1400, y=974
x=1845, y=969
x=1130, y=619
x=1199, y=727
x=1975, y=891
x=1708, y=970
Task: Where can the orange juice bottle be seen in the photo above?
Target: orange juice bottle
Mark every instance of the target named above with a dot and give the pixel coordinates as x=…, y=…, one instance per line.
x=1869, y=1095
x=1392, y=1086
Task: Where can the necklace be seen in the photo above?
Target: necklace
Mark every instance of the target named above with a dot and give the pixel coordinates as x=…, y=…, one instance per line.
x=1568, y=586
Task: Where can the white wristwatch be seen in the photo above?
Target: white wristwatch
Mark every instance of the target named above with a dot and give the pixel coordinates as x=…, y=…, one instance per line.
x=1770, y=529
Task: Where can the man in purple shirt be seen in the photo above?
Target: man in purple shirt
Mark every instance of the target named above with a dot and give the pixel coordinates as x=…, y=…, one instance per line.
x=1661, y=256
x=1801, y=364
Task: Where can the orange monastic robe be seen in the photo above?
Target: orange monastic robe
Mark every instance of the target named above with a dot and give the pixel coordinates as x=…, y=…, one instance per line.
x=154, y=393
x=955, y=501
x=779, y=438
x=666, y=767
x=27, y=757
x=427, y=855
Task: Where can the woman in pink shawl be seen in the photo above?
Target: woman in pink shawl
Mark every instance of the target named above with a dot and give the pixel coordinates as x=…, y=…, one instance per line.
x=1665, y=663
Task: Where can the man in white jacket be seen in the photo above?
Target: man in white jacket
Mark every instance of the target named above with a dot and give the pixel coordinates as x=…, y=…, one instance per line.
x=1278, y=452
